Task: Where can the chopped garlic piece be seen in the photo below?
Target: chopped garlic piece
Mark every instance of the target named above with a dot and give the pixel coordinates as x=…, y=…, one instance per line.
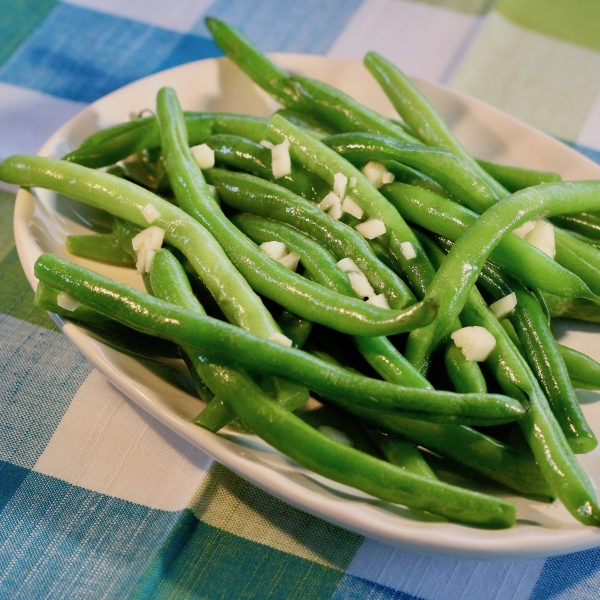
x=336, y=435
x=149, y=258
x=542, y=237
x=267, y=144
x=281, y=162
x=350, y=207
x=150, y=238
x=340, y=181
x=150, y=213
x=352, y=182
x=475, y=342
x=379, y=300
x=371, y=229
x=336, y=212
x=275, y=250
x=408, y=250
x=361, y=286
x=213, y=191
x=204, y=156
x=348, y=266
x=387, y=177
x=140, y=263
x=525, y=228
x=66, y=302
x=280, y=339
x=328, y=201
x=290, y=261
x=377, y=174
x=503, y=307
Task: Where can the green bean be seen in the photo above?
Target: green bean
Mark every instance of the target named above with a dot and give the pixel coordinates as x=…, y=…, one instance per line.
x=127, y=200
x=113, y=144
x=340, y=111
x=450, y=220
x=252, y=61
x=401, y=453
x=325, y=163
x=583, y=369
x=488, y=456
x=246, y=155
x=379, y=352
x=584, y=224
x=577, y=262
x=420, y=115
x=254, y=195
x=287, y=433
x=307, y=121
x=573, y=308
x=449, y=170
x=104, y=247
x=463, y=264
x=108, y=330
x=554, y=456
x=545, y=358
x=229, y=344
x=405, y=174
x=514, y=179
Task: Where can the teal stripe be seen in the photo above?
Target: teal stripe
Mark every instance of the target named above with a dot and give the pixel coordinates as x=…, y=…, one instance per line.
x=19, y=19
x=217, y=564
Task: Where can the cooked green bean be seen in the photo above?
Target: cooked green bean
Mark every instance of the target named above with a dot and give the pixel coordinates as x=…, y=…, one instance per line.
x=450, y=220
x=554, y=456
x=326, y=163
x=257, y=196
x=463, y=264
x=584, y=371
x=229, y=344
x=104, y=247
x=514, y=179
x=297, y=294
x=113, y=144
x=419, y=114
x=245, y=155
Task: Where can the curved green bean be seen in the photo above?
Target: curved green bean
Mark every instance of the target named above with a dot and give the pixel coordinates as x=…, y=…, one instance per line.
x=229, y=344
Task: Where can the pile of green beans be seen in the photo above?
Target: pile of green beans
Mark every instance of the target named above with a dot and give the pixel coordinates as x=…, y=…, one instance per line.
x=401, y=387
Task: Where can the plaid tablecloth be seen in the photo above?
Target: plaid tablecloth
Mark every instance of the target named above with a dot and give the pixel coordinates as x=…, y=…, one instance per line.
x=100, y=500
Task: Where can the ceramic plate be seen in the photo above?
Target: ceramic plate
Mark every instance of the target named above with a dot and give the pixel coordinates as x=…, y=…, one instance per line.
x=43, y=220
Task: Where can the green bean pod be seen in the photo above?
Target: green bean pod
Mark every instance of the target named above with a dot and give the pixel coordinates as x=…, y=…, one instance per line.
x=285, y=432
x=583, y=370
x=229, y=344
x=325, y=163
x=450, y=220
x=251, y=194
x=584, y=224
x=115, y=143
x=104, y=247
x=462, y=266
x=419, y=114
x=514, y=179
x=342, y=112
x=560, y=467
x=245, y=155
x=449, y=170
x=252, y=61
x=546, y=360
x=127, y=200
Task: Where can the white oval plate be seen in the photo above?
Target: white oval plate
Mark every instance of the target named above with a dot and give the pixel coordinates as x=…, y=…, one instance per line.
x=43, y=220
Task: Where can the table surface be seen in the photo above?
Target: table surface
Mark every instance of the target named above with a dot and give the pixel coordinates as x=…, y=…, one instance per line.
x=100, y=500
